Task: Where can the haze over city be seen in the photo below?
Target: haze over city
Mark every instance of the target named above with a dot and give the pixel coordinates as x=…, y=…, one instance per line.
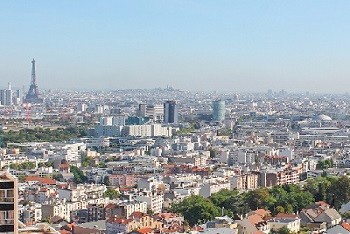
x=228, y=45
x=174, y=117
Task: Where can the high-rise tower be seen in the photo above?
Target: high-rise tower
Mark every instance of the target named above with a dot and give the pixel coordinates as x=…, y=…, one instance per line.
x=33, y=93
x=170, y=112
x=219, y=110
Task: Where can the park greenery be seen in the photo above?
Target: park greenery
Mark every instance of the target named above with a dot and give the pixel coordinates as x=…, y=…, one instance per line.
x=278, y=199
x=185, y=131
x=41, y=135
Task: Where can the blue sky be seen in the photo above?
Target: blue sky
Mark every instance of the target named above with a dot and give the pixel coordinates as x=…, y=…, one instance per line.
x=189, y=44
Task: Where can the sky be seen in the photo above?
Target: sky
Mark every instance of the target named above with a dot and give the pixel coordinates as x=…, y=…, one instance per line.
x=199, y=45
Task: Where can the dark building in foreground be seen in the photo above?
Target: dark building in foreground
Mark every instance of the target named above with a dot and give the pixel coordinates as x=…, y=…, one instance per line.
x=8, y=203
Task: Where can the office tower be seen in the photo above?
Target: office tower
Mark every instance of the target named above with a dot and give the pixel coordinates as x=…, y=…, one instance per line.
x=33, y=92
x=6, y=96
x=155, y=112
x=99, y=109
x=8, y=203
x=2, y=96
x=141, y=112
x=170, y=112
x=219, y=110
x=106, y=121
x=81, y=107
x=119, y=120
x=17, y=97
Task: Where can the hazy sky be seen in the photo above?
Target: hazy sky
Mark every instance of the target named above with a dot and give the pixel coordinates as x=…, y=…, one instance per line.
x=189, y=44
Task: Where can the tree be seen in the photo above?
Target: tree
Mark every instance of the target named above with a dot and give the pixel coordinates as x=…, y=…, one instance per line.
x=111, y=193
x=196, y=209
x=340, y=191
x=222, y=196
x=58, y=177
x=78, y=174
x=87, y=161
x=346, y=215
x=41, y=134
x=106, y=181
x=279, y=209
x=23, y=166
x=282, y=230
x=259, y=198
x=232, y=202
x=150, y=212
x=297, y=198
x=46, y=164
x=320, y=188
x=325, y=164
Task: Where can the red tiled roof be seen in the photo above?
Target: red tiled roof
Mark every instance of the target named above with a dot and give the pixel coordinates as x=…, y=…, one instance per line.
x=138, y=214
x=167, y=215
x=41, y=180
x=259, y=232
x=110, y=206
x=65, y=232
x=346, y=226
x=145, y=230
x=197, y=228
x=255, y=219
x=261, y=212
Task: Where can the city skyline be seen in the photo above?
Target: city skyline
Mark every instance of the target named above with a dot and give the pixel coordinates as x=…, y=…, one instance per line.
x=199, y=46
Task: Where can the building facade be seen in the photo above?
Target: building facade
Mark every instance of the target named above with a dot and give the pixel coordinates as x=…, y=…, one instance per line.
x=8, y=203
x=170, y=112
x=219, y=110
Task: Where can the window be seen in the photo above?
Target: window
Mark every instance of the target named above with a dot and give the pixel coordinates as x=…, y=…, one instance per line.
x=6, y=195
x=6, y=217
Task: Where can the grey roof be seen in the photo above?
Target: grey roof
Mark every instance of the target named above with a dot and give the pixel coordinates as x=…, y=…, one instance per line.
x=219, y=230
x=332, y=213
x=338, y=229
x=100, y=225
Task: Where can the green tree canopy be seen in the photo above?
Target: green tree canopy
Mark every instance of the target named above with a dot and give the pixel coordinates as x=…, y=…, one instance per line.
x=259, y=198
x=232, y=202
x=340, y=191
x=196, y=209
x=78, y=174
x=282, y=230
x=111, y=193
x=41, y=134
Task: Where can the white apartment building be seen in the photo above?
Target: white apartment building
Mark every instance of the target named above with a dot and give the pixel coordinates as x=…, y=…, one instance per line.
x=154, y=200
x=207, y=189
x=130, y=207
x=149, y=184
x=147, y=130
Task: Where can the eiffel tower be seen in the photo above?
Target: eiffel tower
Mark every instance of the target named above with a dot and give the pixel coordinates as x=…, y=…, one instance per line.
x=33, y=93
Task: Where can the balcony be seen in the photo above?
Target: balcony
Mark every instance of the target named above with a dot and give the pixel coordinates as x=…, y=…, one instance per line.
x=7, y=199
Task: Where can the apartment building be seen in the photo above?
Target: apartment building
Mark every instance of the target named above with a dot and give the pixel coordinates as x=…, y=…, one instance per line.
x=8, y=203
